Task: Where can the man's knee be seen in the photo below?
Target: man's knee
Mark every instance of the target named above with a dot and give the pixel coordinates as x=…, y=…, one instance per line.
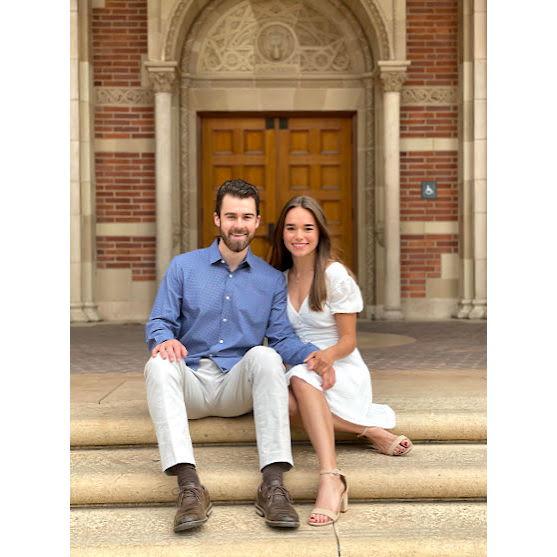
x=264, y=356
x=160, y=370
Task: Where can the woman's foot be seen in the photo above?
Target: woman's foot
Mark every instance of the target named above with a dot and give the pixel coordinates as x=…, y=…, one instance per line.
x=329, y=496
x=382, y=440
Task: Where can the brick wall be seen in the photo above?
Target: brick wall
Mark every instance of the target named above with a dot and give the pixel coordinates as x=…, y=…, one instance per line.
x=432, y=48
x=124, y=252
x=420, y=258
x=119, y=35
x=125, y=187
x=125, y=191
x=429, y=121
x=415, y=167
x=432, y=42
x=124, y=122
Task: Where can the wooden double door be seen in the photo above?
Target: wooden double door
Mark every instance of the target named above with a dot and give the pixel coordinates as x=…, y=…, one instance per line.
x=283, y=156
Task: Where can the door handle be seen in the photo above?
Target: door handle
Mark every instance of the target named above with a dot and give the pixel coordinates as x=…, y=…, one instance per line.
x=270, y=231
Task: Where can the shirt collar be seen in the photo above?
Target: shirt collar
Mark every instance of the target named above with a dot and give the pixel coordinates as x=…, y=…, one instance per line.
x=215, y=254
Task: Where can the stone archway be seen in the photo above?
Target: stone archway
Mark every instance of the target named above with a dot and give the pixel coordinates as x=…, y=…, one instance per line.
x=345, y=71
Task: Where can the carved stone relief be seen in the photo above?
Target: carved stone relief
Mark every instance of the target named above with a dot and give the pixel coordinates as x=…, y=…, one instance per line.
x=274, y=35
x=163, y=79
x=429, y=96
x=393, y=81
x=184, y=10
x=130, y=96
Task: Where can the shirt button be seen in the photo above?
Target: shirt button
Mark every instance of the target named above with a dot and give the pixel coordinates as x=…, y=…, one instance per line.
x=224, y=319
x=222, y=260
x=221, y=341
x=210, y=355
x=227, y=297
x=230, y=275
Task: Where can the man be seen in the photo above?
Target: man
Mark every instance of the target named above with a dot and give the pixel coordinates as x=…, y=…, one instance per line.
x=212, y=312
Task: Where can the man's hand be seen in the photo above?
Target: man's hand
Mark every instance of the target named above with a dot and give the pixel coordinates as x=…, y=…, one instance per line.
x=322, y=364
x=172, y=349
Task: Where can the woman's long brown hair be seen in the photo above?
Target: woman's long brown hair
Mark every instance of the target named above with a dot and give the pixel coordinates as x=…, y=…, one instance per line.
x=281, y=258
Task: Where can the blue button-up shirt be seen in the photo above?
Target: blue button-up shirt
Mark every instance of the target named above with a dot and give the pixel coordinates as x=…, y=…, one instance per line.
x=219, y=314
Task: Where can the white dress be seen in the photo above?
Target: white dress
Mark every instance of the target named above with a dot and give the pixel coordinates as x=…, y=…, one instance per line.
x=350, y=397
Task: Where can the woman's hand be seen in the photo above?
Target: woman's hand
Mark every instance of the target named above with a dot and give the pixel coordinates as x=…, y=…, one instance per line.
x=322, y=363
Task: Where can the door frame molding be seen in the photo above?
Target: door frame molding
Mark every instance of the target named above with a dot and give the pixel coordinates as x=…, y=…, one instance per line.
x=356, y=98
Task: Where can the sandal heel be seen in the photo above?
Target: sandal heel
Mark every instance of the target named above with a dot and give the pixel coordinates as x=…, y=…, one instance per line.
x=344, y=502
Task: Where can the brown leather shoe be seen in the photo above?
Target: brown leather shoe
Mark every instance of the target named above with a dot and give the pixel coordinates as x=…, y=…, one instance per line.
x=194, y=507
x=275, y=505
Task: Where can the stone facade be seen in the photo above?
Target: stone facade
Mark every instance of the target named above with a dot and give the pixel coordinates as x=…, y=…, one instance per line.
x=412, y=72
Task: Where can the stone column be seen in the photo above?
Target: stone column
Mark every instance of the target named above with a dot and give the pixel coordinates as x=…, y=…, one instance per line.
x=163, y=77
x=466, y=161
x=393, y=75
x=479, y=303
x=82, y=190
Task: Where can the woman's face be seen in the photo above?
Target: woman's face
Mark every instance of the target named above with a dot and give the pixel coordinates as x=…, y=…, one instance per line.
x=301, y=233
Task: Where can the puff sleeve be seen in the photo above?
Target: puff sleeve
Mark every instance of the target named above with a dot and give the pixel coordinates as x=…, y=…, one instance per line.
x=344, y=294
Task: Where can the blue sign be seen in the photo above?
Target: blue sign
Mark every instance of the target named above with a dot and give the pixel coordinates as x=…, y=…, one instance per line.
x=429, y=190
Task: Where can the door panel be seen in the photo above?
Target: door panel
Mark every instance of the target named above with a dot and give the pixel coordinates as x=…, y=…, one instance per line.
x=315, y=157
x=238, y=148
x=297, y=156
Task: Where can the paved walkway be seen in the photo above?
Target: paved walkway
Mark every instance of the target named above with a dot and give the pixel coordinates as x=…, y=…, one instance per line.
x=385, y=345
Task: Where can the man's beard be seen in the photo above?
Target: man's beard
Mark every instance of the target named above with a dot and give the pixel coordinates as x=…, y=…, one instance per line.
x=236, y=244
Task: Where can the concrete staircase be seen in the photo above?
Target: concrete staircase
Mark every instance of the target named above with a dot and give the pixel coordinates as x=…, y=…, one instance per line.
x=431, y=502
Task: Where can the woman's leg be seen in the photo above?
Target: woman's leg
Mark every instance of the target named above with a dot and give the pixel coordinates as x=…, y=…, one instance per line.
x=318, y=423
x=377, y=436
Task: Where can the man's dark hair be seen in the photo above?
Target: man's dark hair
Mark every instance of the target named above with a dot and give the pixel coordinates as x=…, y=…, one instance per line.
x=237, y=188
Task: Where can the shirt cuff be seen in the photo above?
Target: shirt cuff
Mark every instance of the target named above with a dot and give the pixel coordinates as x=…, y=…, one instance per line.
x=309, y=348
x=159, y=337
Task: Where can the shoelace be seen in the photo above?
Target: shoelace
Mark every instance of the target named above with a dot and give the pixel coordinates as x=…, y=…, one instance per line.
x=188, y=491
x=278, y=490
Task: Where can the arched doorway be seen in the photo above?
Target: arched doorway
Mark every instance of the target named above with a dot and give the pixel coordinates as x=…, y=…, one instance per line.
x=281, y=94
x=276, y=57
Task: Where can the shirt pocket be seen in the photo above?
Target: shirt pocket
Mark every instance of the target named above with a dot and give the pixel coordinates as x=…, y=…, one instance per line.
x=254, y=308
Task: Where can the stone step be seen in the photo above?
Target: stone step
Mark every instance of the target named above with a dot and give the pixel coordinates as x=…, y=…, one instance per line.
x=417, y=529
x=133, y=475
x=111, y=409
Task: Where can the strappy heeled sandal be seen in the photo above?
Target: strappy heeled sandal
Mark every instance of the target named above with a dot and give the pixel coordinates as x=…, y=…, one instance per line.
x=391, y=450
x=343, y=506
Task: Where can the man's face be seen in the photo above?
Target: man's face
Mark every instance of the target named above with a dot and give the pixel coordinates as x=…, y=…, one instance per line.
x=237, y=222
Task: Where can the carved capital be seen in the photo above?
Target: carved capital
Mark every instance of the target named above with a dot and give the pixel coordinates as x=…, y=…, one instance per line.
x=393, y=81
x=163, y=75
x=393, y=74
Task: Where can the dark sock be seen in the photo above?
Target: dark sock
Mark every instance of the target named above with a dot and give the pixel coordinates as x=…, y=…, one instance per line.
x=186, y=473
x=272, y=473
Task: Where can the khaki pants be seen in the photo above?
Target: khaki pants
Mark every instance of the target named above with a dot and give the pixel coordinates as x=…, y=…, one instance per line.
x=176, y=393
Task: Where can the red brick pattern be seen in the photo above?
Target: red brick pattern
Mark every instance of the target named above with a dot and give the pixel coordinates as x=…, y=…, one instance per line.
x=429, y=121
x=432, y=42
x=432, y=48
x=119, y=35
x=420, y=259
x=124, y=122
x=417, y=167
x=125, y=187
x=124, y=252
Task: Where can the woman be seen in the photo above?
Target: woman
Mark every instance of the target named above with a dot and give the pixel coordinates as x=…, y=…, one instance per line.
x=323, y=302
